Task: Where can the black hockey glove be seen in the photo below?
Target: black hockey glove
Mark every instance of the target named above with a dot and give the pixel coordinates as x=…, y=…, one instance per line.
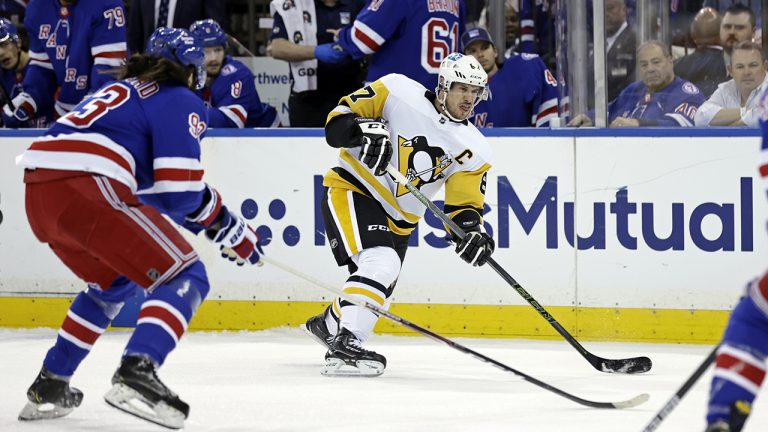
x=475, y=248
x=376, y=148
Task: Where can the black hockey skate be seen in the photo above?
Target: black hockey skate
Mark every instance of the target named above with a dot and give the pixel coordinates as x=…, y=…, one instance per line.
x=138, y=391
x=347, y=357
x=50, y=397
x=315, y=327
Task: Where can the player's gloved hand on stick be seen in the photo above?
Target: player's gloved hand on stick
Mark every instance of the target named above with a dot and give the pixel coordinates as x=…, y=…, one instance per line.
x=475, y=248
x=331, y=53
x=376, y=146
x=236, y=239
x=23, y=112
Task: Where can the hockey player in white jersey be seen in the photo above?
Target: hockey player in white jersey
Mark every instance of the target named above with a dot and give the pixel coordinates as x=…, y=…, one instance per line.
x=369, y=217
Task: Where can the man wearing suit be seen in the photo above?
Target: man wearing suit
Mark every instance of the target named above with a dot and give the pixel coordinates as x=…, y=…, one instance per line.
x=704, y=67
x=146, y=15
x=620, y=45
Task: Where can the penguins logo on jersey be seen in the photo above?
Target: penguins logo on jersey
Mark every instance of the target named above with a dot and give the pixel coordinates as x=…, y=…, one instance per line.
x=421, y=163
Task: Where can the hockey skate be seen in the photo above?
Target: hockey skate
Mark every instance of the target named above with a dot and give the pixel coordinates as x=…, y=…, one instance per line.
x=138, y=391
x=50, y=397
x=720, y=426
x=315, y=327
x=347, y=357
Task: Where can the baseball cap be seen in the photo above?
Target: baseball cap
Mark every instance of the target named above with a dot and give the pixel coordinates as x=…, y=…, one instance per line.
x=473, y=35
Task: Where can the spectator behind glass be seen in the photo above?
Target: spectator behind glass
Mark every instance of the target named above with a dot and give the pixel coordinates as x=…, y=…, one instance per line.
x=147, y=15
x=620, y=46
x=522, y=92
x=738, y=25
x=303, y=34
x=734, y=101
x=658, y=99
x=230, y=94
x=705, y=67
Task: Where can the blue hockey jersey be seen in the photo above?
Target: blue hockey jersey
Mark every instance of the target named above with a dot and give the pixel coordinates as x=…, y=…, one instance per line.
x=233, y=100
x=674, y=105
x=408, y=37
x=144, y=135
x=522, y=93
x=70, y=47
x=11, y=81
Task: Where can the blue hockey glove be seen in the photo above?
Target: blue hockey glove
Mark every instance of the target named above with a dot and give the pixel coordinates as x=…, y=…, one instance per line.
x=236, y=239
x=25, y=108
x=475, y=248
x=330, y=53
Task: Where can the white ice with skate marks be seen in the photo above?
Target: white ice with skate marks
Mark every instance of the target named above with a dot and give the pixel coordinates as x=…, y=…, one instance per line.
x=270, y=381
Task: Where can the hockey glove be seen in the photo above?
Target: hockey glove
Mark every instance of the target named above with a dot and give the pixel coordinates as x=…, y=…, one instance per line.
x=330, y=53
x=475, y=248
x=376, y=147
x=236, y=239
x=25, y=108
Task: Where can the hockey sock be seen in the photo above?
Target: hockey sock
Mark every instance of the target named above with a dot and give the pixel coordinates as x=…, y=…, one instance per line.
x=84, y=323
x=166, y=312
x=740, y=365
x=377, y=269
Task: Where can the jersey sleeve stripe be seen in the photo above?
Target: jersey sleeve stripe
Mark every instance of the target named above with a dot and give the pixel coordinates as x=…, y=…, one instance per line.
x=39, y=56
x=681, y=119
x=109, y=50
x=366, y=39
x=171, y=174
x=108, y=61
x=547, y=111
x=176, y=162
x=236, y=113
x=173, y=186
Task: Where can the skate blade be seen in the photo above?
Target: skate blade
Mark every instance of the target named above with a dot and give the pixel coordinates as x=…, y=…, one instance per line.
x=364, y=368
x=33, y=411
x=315, y=338
x=132, y=402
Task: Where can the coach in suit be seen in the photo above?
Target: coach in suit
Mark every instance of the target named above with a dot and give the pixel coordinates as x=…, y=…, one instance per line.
x=147, y=15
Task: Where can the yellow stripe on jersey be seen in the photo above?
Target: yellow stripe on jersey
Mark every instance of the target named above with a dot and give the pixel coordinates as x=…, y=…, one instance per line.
x=366, y=102
x=333, y=180
x=465, y=188
x=370, y=180
x=366, y=293
x=340, y=206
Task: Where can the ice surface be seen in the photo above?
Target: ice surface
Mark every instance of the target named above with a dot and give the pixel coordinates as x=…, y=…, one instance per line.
x=270, y=381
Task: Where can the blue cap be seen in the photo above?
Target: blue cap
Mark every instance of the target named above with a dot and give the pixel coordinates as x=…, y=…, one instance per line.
x=473, y=35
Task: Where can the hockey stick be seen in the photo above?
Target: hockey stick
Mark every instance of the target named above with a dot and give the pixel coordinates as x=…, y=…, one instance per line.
x=681, y=392
x=633, y=402
x=629, y=365
x=5, y=96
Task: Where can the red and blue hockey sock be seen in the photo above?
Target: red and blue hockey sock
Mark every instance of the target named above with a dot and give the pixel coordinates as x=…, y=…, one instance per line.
x=740, y=364
x=87, y=318
x=166, y=312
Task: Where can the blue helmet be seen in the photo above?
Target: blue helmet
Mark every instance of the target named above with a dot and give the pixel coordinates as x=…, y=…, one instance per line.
x=180, y=47
x=8, y=31
x=210, y=32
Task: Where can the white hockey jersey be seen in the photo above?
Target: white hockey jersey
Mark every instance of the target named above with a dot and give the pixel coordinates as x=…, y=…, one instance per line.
x=429, y=150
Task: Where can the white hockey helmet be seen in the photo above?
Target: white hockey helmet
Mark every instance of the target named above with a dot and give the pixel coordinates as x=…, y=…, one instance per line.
x=460, y=68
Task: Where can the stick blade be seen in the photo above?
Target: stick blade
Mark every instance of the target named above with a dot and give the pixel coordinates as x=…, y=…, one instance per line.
x=633, y=365
x=631, y=403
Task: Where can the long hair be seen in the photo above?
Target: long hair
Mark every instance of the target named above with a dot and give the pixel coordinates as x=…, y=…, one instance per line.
x=148, y=68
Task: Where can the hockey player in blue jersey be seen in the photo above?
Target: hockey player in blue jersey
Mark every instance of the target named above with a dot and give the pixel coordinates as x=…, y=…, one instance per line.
x=98, y=185
x=409, y=37
x=740, y=364
x=71, y=44
x=522, y=92
x=230, y=90
x=659, y=99
x=14, y=60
